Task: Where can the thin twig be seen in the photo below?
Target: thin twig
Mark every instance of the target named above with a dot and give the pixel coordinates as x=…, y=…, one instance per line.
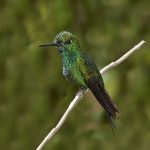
x=80, y=94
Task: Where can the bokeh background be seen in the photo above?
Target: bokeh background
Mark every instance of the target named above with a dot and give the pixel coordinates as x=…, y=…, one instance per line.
x=34, y=94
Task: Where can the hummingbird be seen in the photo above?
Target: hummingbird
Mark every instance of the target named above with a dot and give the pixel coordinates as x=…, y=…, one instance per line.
x=79, y=68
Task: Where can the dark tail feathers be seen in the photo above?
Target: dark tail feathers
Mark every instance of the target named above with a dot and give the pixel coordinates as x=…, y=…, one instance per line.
x=105, y=100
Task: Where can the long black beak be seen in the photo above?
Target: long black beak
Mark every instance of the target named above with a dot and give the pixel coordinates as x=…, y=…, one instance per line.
x=48, y=44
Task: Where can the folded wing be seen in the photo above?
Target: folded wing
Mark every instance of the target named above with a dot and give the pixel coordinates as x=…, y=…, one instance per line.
x=94, y=81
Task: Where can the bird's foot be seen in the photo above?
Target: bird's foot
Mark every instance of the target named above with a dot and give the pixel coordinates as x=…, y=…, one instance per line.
x=81, y=92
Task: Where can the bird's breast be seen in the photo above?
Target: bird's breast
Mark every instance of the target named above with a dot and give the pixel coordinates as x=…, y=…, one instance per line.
x=67, y=72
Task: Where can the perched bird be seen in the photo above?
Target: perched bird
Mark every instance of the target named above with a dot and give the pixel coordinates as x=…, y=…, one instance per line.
x=80, y=69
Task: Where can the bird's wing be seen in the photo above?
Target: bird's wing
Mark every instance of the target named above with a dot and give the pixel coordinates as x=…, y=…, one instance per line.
x=94, y=81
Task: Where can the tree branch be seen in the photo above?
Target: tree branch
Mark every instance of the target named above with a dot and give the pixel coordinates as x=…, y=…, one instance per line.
x=80, y=94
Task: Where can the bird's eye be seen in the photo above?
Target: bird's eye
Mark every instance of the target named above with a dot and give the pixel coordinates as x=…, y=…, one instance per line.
x=59, y=42
x=68, y=42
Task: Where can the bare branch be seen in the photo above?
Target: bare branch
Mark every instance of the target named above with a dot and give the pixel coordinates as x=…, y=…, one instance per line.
x=80, y=94
x=123, y=58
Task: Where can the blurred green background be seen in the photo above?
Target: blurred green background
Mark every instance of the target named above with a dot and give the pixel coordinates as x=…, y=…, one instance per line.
x=34, y=94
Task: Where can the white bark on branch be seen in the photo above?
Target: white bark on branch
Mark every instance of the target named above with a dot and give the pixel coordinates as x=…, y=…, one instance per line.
x=80, y=94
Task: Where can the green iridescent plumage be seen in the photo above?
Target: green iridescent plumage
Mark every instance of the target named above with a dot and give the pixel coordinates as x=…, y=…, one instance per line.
x=80, y=69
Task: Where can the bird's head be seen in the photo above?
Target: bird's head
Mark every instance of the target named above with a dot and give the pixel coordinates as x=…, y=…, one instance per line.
x=65, y=42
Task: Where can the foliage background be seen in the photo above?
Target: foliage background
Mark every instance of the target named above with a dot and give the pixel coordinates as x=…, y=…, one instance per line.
x=34, y=93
